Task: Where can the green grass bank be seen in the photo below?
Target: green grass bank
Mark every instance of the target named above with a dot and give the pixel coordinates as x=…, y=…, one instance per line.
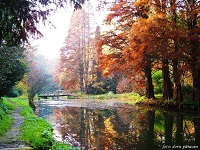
x=6, y=120
x=134, y=98
x=35, y=131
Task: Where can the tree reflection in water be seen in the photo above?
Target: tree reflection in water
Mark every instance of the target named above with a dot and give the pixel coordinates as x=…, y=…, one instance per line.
x=125, y=127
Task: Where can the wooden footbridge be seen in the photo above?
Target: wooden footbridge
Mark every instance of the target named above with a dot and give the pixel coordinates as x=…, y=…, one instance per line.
x=56, y=94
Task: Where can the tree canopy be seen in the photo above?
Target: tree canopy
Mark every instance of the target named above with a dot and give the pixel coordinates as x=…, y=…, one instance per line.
x=18, y=23
x=146, y=36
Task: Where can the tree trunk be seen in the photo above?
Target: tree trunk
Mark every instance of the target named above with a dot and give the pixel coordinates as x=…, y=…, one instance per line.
x=31, y=96
x=32, y=104
x=149, y=83
x=196, y=85
x=167, y=85
x=196, y=121
x=86, y=88
x=178, y=97
x=194, y=42
x=195, y=71
x=81, y=78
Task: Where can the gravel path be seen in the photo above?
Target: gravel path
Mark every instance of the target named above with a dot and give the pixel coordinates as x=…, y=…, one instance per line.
x=12, y=139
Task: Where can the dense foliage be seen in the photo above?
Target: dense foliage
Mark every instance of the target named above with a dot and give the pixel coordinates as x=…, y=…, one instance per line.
x=147, y=36
x=78, y=58
x=12, y=68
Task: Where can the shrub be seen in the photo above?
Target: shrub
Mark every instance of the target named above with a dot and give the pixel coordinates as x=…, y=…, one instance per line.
x=103, y=86
x=157, y=81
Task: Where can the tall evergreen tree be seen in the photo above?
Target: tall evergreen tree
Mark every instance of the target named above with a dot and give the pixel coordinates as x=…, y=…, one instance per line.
x=76, y=55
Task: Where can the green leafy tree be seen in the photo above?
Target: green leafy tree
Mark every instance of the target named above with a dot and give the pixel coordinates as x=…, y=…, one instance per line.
x=12, y=68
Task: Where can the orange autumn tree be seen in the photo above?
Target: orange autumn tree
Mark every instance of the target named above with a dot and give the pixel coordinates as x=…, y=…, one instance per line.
x=190, y=17
x=148, y=35
x=78, y=58
x=123, y=53
x=74, y=55
x=174, y=21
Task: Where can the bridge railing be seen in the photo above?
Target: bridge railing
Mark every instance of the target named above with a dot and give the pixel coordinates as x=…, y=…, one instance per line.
x=57, y=94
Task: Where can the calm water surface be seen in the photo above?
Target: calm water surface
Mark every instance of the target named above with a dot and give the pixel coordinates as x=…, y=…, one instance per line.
x=111, y=125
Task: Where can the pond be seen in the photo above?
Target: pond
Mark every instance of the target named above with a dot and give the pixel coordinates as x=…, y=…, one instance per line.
x=112, y=125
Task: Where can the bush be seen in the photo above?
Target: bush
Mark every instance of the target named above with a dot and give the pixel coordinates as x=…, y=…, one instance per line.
x=157, y=81
x=14, y=92
x=103, y=86
x=6, y=106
